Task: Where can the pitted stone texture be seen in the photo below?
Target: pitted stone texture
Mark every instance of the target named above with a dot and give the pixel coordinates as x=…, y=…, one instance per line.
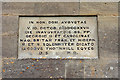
x=99, y=8
x=102, y=68
x=9, y=24
x=17, y=8
x=57, y=8
x=108, y=37
x=9, y=46
x=33, y=68
x=74, y=69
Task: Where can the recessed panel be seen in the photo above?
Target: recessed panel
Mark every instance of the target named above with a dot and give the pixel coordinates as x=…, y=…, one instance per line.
x=58, y=37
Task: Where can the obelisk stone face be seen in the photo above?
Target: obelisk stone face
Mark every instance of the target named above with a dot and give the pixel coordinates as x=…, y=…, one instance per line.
x=106, y=66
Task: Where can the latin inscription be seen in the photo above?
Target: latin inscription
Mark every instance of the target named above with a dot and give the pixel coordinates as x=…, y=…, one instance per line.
x=58, y=37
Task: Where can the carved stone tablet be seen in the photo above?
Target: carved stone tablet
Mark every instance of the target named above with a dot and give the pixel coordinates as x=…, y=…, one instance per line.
x=58, y=37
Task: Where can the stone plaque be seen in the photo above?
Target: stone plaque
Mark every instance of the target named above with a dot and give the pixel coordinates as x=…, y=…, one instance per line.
x=58, y=37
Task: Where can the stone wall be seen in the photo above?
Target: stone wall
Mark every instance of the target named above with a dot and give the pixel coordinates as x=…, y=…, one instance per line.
x=104, y=67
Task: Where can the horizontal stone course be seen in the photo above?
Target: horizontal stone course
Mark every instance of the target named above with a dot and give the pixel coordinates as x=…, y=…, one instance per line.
x=99, y=8
x=33, y=68
x=17, y=8
x=60, y=8
x=57, y=8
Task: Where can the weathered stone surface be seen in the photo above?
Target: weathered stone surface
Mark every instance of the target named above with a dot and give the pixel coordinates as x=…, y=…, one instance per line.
x=108, y=37
x=74, y=69
x=99, y=8
x=9, y=24
x=101, y=68
x=9, y=46
x=104, y=67
x=35, y=68
x=0, y=65
x=13, y=68
x=0, y=40
x=9, y=36
x=0, y=37
x=21, y=8
x=56, y=8
x=17, y=8
x=84, y=8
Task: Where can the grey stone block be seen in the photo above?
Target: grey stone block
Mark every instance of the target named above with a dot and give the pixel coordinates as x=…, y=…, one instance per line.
x=0, y=45
x=9, y=46
x=31, y=8
x=10, y=24
x=0, y=66
x=17, y=8
x=56, y=8
x=74, y=69
x=102, y=68
x=108, y=37
x=99, y=8
x=0, y=36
